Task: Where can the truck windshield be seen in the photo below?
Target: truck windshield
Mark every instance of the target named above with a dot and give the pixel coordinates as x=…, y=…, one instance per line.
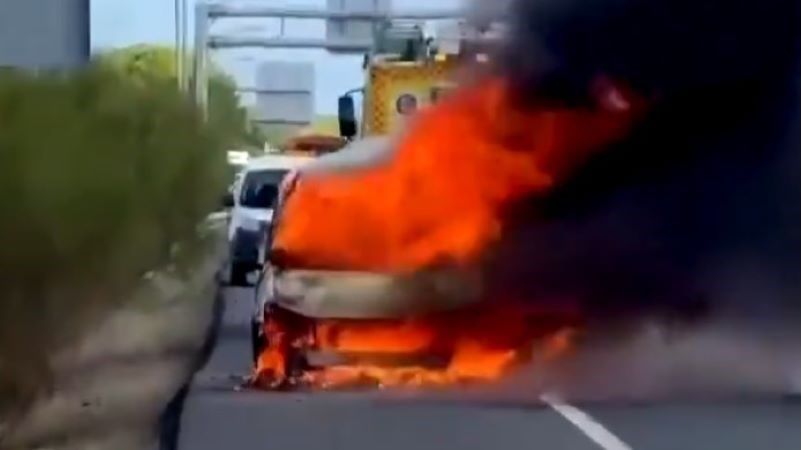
x=260, y=188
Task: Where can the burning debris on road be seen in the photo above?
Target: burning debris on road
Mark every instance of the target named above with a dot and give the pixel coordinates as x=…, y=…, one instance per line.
x=434, y=351
x=613, y=160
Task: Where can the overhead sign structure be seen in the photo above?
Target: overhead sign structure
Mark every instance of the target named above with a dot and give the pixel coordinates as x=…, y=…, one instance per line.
x=350, y=26
x=285, y=92
x=357, y=30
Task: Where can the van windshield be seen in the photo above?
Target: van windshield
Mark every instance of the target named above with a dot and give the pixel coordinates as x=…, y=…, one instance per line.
x=260, y=188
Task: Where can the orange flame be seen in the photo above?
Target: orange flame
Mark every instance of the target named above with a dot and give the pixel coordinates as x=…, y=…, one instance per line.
x=478, y=345
x=442, y=194
x=441, y=197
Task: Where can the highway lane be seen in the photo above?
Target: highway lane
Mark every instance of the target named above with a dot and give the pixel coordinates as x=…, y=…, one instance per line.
x=217, y=416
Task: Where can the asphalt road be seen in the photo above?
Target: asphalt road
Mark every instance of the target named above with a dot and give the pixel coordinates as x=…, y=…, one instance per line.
x=219, y=417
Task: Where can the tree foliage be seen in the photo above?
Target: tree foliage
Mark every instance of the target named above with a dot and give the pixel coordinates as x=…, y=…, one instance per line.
x=149, y=64
x=103, y=175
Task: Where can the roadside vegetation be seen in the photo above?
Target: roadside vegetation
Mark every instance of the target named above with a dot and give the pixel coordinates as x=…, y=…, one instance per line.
x=105, y=176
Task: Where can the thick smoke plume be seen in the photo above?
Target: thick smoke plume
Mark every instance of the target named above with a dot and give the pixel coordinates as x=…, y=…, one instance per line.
x=692, y=224
x=713, y=363
x=697, y=211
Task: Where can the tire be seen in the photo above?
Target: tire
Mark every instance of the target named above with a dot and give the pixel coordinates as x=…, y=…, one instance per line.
x=239, y=275
x=257, y=340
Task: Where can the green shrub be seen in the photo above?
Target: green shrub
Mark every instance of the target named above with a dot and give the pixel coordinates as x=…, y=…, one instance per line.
x=147, y=64
x=102, y=176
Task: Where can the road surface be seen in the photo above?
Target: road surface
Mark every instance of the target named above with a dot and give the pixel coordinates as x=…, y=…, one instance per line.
x=218, y=417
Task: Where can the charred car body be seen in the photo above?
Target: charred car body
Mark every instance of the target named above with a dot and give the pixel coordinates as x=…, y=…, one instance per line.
x=313, y=319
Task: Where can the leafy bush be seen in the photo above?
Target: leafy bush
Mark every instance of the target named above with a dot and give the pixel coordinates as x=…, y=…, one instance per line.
x=102, y=177
x=146, y=64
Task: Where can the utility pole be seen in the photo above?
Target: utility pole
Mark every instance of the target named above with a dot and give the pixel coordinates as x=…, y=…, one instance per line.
x=179, y=73
x=181, y=27
x=200, y=60
x=184, y=49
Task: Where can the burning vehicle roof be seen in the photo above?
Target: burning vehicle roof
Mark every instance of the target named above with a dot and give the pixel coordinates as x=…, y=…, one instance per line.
x=440, y=188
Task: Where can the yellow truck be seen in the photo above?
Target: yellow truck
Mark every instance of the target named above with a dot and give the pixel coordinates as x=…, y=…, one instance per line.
x=400, y=78
x=393, y=90
x=394, y=87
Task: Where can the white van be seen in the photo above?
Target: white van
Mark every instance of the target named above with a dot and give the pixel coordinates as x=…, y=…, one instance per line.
x=252, y=201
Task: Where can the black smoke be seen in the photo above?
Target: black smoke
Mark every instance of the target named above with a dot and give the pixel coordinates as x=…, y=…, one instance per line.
x=698, y=211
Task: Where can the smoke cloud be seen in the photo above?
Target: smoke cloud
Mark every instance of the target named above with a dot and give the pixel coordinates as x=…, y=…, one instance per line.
x=716, y=363
x=695, y=213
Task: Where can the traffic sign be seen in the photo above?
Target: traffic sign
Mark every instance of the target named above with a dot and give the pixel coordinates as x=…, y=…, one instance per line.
x=359, y=30
x=285, y=92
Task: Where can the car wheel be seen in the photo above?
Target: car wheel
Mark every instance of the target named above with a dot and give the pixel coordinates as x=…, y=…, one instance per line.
x=257, y=340
x=239, y=274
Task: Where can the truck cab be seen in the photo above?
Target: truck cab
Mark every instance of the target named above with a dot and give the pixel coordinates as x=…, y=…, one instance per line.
x=405, y=72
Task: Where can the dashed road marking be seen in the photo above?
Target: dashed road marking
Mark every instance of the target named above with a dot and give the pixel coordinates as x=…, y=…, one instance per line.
x=584, y=422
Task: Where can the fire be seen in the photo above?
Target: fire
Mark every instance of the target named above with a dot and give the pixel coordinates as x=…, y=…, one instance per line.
x=440, y=199
x=474, y=346
x=442, y=196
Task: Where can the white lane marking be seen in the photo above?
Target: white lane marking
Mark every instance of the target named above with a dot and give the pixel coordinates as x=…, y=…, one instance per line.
x=584, y=422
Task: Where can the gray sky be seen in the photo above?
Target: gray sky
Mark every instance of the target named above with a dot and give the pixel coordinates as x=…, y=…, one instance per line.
x=117, y=23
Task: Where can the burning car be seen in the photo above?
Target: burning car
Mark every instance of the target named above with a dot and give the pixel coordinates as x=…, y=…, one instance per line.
x=602, y=165
x=379, y=255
